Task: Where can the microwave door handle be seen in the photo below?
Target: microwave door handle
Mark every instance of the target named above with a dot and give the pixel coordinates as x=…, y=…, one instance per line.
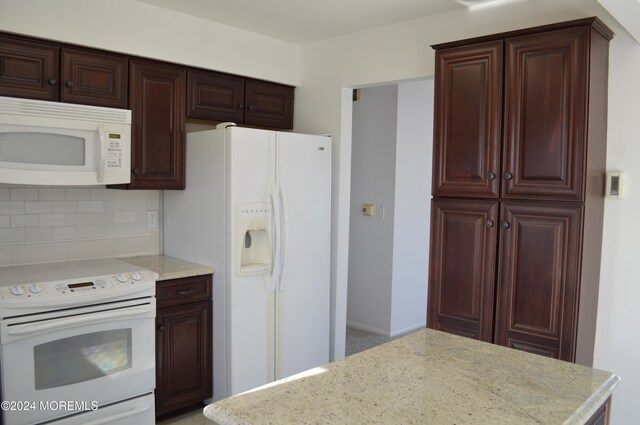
x=81, y=320
x=103, y=152
x=112, y=418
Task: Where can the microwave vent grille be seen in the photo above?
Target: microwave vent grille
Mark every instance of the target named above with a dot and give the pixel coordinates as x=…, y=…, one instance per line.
x=41, y=108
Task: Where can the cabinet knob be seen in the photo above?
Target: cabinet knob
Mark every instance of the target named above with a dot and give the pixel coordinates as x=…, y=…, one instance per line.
x=135, y=171
x=490, y=176
x=161, y=328
x=251, y=107
x=505, y=225
x=488, y=224
x=508, y=176
x=69, y=83
x=52, y=81
x=241, y=106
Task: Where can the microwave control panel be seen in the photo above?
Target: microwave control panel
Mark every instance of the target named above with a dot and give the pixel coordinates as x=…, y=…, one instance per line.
x=115, y=150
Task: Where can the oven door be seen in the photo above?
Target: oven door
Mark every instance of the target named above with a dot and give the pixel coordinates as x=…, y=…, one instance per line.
x=66, y=362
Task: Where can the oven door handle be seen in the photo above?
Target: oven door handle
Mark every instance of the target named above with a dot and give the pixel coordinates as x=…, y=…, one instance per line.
x=80, y=320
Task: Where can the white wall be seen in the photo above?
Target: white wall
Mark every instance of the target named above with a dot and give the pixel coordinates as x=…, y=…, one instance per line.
x=140, y=29
x=373, y=167
x=414, y=144
x=401, y=51
x=617, y=336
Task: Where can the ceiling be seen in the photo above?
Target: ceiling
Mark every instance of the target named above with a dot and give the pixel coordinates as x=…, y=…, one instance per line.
x=302, y=21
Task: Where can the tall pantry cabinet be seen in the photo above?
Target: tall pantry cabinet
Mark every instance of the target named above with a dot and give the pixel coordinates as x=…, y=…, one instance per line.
x=518, y=187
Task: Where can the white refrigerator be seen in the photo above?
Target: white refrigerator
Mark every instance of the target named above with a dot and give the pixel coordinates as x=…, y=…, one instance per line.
x=257, y=209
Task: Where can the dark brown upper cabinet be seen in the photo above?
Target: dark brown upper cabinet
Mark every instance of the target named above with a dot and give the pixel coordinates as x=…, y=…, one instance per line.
x=468, y=126
x=546, y=112
x=535, y=143
x=45, y=71
x=215, y=96
x=222, y=97
x=520, y=129
x=268, y=104
x=29, y=69
x=93, y=78
x=157, y=96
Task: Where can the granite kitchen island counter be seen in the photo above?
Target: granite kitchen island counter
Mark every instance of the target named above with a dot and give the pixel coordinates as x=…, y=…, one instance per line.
x=427, y=377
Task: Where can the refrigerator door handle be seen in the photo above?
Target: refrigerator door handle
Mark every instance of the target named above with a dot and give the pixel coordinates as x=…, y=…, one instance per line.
x=282, y=238
x=275, y=246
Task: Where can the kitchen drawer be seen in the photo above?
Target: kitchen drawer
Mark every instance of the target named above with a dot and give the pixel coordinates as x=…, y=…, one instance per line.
x=184, y=290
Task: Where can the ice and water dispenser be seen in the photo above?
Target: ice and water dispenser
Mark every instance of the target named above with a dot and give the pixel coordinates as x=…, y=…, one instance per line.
x=254, y=246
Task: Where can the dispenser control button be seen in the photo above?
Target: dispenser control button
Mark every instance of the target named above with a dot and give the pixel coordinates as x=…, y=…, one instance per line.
x=121, y=278
x=17, y=290
x=35, y=288
x=136, y=276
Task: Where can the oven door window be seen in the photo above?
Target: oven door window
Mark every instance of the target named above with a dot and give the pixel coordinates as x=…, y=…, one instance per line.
x=81, y=358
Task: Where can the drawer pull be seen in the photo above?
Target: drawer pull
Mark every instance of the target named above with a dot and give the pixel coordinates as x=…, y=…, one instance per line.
x=186, y=291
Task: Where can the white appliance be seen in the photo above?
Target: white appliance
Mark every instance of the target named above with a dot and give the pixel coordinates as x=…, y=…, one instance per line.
x=257, y=209
x=77, y=343
x=53, y=143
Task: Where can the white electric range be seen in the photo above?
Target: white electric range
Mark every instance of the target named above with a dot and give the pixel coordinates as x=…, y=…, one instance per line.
x=77, y=343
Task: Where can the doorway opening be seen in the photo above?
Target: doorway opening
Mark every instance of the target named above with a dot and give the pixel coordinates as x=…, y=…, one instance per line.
x=391, y=145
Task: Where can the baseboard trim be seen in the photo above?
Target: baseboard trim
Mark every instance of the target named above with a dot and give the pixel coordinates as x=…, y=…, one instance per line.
x=409, y=329
x=386, y=333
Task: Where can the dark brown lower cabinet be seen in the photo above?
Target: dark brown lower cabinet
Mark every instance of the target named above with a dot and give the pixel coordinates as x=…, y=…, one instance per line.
x=507, y=272
x=183, y=344
x=602, y=415
x=538, y=282
x=462, y=267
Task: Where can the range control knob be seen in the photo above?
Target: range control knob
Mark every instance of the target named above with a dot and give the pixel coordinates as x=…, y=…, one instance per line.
x=136, y=276
x=121, y=277
x=17, y=290
x=35, y=288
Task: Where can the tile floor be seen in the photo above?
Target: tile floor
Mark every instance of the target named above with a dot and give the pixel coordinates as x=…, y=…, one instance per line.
x=192, y=418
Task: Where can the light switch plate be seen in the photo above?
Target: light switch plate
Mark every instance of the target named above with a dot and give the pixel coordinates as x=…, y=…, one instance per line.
x=614, y=185
x=368, y=210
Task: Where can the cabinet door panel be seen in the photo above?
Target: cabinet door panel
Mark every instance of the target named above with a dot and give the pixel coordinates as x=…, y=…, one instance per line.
x=94, y=78
x=28, y=69
x=538, y=278
x=468, y=104
x=183, y=356
x=462, y=267
x=268, y=104
x=157, y=105
x=545, y=115
x=215, y=96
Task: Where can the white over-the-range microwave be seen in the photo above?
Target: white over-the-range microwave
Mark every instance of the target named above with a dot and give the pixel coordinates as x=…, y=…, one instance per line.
x=52, y=143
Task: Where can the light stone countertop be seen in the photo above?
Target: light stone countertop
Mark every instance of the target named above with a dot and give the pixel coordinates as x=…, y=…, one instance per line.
x=169, y=267
x=427, y=377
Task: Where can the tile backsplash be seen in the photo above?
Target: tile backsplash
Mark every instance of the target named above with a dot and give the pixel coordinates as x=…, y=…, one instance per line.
x=54, y=223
